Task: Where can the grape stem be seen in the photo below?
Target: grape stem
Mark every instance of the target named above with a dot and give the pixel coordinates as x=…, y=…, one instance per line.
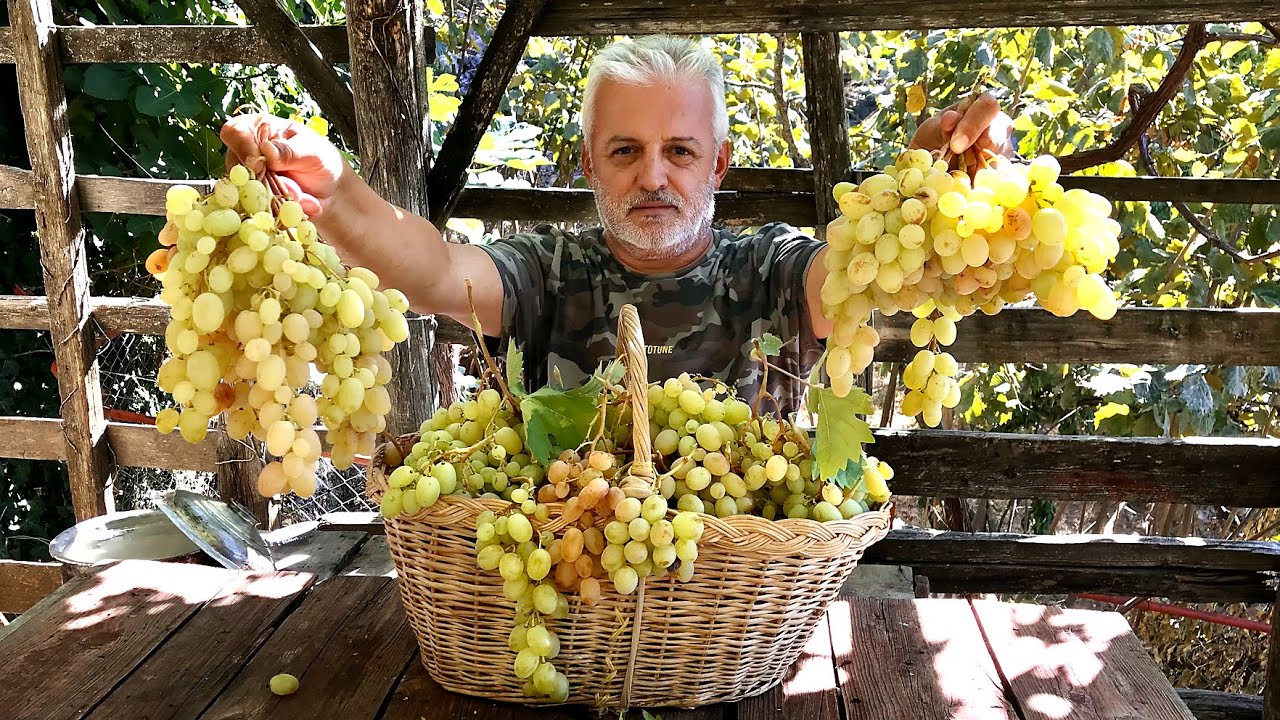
x=478, y=334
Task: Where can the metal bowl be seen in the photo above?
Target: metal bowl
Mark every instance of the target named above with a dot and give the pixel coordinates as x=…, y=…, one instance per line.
x=132, y=535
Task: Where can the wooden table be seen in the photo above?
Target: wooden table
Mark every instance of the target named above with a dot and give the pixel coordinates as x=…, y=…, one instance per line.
x=156, y=641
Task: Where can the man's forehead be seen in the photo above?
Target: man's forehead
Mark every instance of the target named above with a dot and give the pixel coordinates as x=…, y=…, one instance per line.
x=690, y=139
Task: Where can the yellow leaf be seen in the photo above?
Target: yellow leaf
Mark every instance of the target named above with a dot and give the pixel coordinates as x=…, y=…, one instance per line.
x=319, y=124
x=915, y=98
x=1111, y=409
x=436, y=7
x=445, y=83
x=442, y=107
x=487, y=142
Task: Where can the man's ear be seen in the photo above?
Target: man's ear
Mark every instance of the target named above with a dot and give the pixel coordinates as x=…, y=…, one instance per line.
x=722, y=162
x=587, y=170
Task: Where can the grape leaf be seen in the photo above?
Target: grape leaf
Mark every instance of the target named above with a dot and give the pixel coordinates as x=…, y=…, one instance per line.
x=771, y=344
x=841, y=432
x=850, y=477
x=559, y=419
x=515, y=369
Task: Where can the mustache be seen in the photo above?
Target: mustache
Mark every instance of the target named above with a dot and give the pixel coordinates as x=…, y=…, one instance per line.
x=666, y=198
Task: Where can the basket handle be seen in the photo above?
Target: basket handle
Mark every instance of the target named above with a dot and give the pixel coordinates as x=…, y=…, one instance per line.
x=631, y=351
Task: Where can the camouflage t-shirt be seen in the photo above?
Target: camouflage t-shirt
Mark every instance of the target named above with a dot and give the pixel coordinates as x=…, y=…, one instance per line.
x=562, y=293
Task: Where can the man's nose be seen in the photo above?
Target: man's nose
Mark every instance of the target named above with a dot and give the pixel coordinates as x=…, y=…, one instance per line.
x=653, y=172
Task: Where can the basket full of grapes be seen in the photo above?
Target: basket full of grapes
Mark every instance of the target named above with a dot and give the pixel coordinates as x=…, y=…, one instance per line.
x=624, y=543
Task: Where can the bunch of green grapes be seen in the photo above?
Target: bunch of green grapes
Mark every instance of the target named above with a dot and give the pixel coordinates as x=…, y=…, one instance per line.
x=257, y=300
x=917, y=237
x=722, y=461
x=931, y=385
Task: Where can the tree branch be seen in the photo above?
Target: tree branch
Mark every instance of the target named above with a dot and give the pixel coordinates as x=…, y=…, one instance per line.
x=314, y=72
x=1243, y=37
x=1272, y=28
x=501, y=58
x=1145, y=112
x=1200, y=226
x=780, y=98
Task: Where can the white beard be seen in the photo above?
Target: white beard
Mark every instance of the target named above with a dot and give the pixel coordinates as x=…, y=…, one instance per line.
x=656, y=238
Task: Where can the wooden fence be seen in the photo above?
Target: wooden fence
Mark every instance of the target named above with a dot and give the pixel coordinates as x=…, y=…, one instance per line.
x=1232, y=471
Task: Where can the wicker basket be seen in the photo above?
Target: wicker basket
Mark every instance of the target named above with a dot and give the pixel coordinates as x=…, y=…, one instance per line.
x=759, y=589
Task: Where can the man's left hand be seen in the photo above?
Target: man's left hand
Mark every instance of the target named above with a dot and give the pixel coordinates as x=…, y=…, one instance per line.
x=971, y=128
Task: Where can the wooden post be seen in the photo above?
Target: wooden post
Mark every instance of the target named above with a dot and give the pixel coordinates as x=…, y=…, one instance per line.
x=1271, y=693
x=62, y=253
x=239, y=463
x=389, y=82
x=828, y=120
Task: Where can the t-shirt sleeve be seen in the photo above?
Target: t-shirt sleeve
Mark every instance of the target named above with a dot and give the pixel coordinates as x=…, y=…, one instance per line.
x=792, y=253
x=523, y=262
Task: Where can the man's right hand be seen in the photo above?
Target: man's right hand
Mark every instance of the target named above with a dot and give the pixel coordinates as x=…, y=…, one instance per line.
x=308, y=165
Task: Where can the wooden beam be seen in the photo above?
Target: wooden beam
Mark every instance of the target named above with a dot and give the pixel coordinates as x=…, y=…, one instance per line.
x=828, y=121
x=749, y=195
x=1194, y=586
x=62, y=252
x=313, y=68
x=181, y=44
x=1036, y=335
x=131, y=445
x=239, y=464
x=388, y=75
x=501, y=58
x=23, y=584
x=634, y=17
x=1203, y=471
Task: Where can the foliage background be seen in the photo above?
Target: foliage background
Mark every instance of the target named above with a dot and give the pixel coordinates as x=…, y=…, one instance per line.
x=1065, y=86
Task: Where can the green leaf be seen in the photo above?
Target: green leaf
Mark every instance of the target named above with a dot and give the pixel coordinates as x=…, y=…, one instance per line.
x=556, y=420
x=850, y=477
x=515, y=369
x=771, y=344
x=1268, y=293
x=107, y=82
x=1044, y=46
x=841, y=432
x=1270, y=138
x=154, y=101
x=1099, y=47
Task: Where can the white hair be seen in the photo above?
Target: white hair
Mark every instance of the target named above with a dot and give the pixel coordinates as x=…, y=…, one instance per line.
x=652, y=59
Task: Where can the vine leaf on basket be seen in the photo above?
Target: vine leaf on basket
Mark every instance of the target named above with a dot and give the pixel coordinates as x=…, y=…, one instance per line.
x=515, y=370
x=841, y=432
x=559, y=419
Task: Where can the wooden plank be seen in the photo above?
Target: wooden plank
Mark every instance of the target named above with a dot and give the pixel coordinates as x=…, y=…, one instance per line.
x=24, y=312
x=321, y=554
x=940, y=463
x=1134, y=335
x=1214, y=705
x=107, y=624
x=182, y=44
x=188, y=671
x=1079, y=663
x=1178, y=584
x=347, y=643
x=759, y=194
x=807, y=692
x=914, y=660
x=912, y=545
x=632, y=17
x=828, y=121
x=417, y=696
x=131, y=445
x=25, y=584
x=238, y=464
x=372, y=560
x=62, y=253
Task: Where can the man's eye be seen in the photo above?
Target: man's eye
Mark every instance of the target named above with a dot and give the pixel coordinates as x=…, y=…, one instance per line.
x=681, y=150
x=622, y=151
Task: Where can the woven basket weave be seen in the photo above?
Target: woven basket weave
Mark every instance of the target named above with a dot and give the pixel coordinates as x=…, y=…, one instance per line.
x=759, y=588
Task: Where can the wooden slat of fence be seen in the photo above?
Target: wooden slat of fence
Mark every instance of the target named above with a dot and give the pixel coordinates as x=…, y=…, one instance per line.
x=23, y=584
x=181, y=44
x=628, y=17
x=62, y=252
x=948, y=463
x=1134, y=335
x=828, y=131
x=748, y=195
x=131, y=445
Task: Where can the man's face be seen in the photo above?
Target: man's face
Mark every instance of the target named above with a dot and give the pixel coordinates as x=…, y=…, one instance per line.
x=653, y=165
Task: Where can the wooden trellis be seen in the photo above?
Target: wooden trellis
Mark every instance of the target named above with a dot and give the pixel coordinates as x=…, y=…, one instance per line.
x=386, y=45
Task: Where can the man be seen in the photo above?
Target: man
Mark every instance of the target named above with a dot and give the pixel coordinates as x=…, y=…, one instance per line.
x=655, y=151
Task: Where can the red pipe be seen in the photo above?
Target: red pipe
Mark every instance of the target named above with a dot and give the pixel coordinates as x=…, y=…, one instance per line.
x=1179, y=611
